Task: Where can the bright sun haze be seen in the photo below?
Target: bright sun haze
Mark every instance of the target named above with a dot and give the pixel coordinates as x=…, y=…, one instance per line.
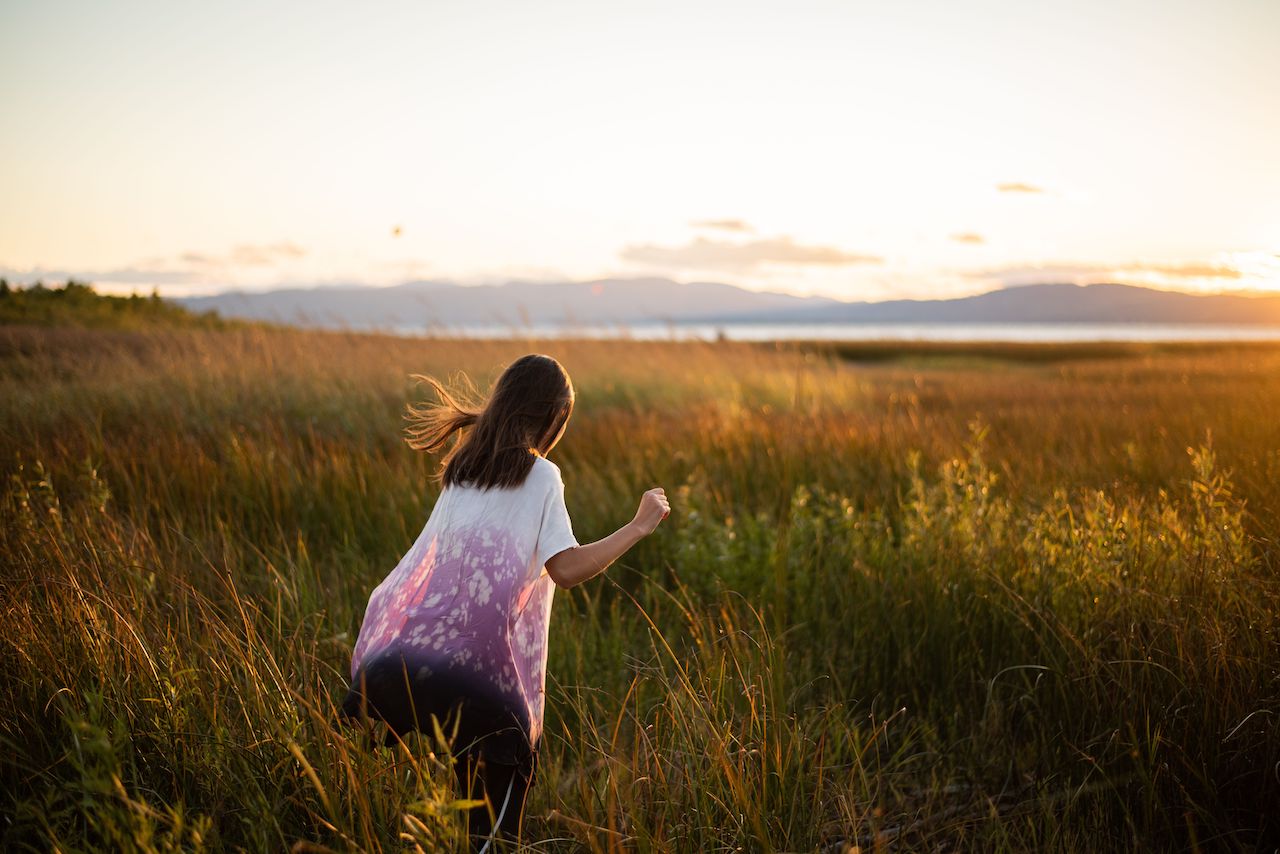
x=860, y=150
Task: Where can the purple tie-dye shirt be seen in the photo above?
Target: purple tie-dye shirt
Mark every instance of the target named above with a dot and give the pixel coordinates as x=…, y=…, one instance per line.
x=472, y=596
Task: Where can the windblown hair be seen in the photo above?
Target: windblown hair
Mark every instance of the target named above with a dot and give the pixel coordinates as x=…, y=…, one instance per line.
x=496, y=439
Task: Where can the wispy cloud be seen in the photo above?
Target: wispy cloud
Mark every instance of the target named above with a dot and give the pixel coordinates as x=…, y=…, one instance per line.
x=1018, y=187
x=133, y=275
x=1190, y=271
x=247, y=255
x=968, y=237
x=724, y=225
x=267, y=255
x=1022, y=274
x=705, y=254
x=185, y=268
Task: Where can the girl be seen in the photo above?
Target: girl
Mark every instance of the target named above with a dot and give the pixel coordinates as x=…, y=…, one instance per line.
x=458, y=630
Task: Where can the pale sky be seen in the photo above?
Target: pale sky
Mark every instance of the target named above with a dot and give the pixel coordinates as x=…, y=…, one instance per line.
x=861, y=150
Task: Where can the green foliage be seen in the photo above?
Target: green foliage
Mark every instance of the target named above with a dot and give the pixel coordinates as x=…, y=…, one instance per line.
x=900, y=608
x=77, y=304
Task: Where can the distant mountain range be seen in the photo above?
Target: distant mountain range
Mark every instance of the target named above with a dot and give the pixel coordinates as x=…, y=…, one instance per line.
x=653, y=300
x=427, y=304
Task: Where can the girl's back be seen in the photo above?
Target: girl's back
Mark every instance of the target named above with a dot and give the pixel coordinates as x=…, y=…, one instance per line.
x=470, y=602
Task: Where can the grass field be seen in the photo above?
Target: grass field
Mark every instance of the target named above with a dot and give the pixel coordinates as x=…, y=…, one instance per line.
x=945, y=597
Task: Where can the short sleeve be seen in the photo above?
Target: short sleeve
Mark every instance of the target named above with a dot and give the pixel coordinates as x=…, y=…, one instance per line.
x=556, y=533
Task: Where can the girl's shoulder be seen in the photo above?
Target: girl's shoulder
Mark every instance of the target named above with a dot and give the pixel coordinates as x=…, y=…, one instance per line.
x=544, y=469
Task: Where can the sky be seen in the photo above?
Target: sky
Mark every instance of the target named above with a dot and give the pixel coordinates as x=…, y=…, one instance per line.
x=919, y=148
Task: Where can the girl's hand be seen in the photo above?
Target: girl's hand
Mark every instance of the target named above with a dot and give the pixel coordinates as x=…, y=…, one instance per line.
x=653, y=509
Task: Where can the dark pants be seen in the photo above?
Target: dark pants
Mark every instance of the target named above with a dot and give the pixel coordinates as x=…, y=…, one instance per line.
x=503, y=788
x=494, y=759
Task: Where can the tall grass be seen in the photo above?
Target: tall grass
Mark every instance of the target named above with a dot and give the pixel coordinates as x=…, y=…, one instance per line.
x=926, y=601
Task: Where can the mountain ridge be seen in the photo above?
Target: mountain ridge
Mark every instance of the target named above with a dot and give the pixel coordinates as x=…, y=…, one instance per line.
x=434, y=304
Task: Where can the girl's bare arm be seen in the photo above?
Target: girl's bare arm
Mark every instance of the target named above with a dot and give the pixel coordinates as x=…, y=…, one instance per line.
x=571, y=567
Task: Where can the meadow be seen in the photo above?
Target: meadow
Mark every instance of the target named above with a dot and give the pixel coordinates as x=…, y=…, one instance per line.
x=910, y=597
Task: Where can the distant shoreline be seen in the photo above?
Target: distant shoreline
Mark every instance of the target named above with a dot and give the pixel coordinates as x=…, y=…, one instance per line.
x=1029, y=332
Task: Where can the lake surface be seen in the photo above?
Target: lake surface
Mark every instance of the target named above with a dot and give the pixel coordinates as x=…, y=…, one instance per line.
x=1030, y=332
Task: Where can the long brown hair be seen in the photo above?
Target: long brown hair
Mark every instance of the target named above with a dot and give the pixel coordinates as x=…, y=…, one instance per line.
x=497, y=438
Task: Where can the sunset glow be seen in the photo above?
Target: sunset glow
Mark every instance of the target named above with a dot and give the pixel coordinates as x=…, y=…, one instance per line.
x=860, y=150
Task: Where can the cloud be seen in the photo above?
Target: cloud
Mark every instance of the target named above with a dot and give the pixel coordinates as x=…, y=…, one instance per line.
x=724, y=224
x=1025, y=274
x=244, y=255
x=185, y=268
x=968, y=237
x=1190, y=271
x=1018, y=187
x=704, y=254
x=138, y=275
x=247, y=255
x=267, y=255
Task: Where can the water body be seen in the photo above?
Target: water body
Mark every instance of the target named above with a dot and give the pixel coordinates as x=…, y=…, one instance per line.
x=1026, y=332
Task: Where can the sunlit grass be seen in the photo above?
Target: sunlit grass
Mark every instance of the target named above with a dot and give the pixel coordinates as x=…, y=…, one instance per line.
x=985, y=598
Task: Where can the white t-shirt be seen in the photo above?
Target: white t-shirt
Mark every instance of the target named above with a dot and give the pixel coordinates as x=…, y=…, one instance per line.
x=472, y=596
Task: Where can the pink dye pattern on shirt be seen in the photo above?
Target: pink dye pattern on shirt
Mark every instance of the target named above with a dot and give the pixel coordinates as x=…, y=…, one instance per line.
x=472, y=597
